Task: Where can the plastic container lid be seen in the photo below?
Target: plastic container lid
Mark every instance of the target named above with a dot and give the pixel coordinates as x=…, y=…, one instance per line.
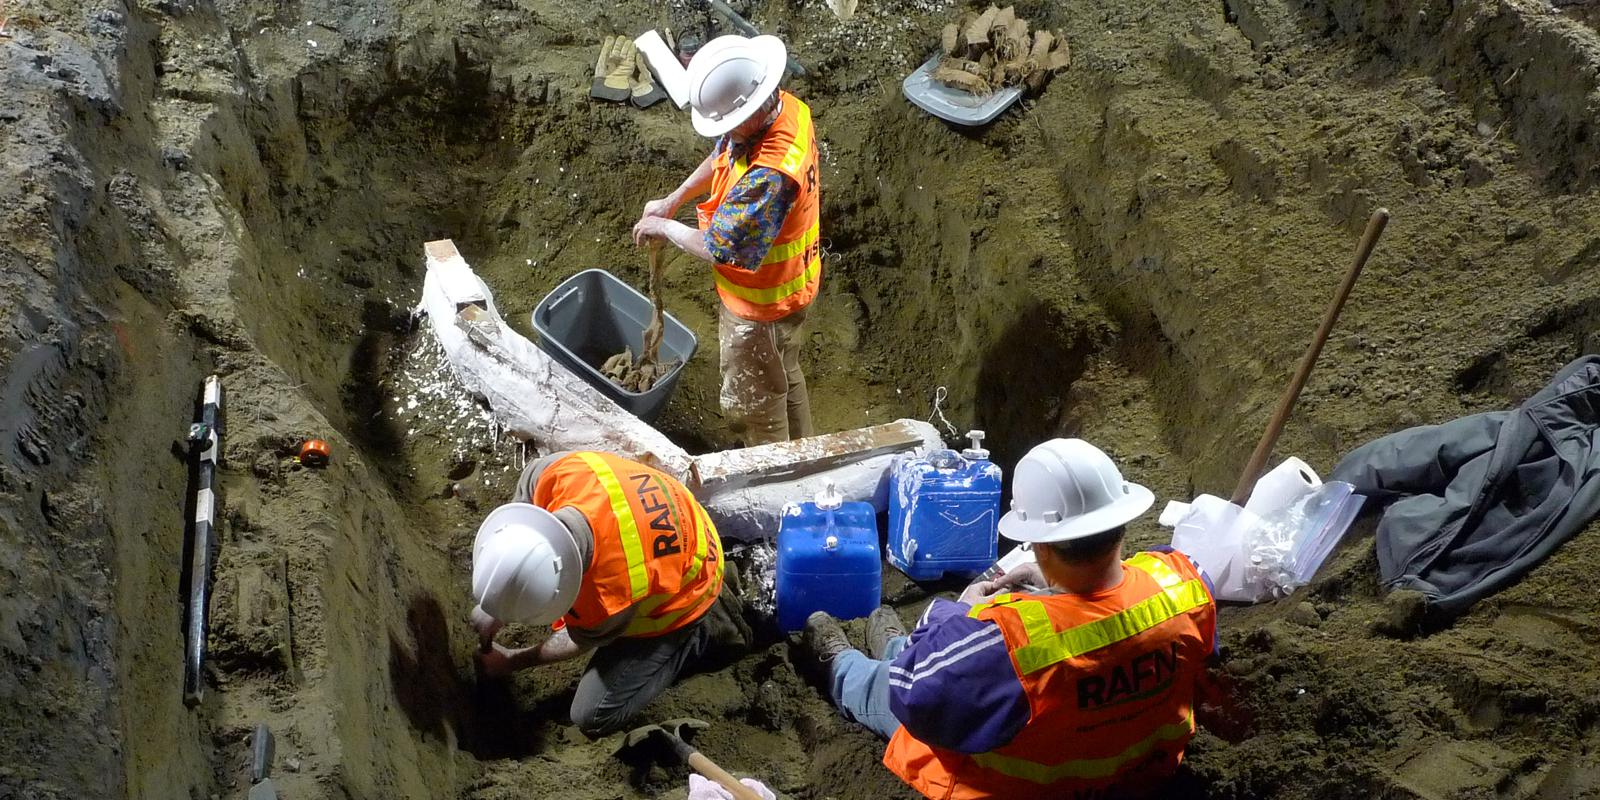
x=954, y=105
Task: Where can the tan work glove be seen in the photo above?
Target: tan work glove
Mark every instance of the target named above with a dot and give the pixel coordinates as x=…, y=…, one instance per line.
x=624, y=61
x=613, y=71
x=646, y=92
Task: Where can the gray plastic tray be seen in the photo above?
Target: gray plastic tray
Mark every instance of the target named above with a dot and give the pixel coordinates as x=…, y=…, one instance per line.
x=954, y=105
x=590, y=317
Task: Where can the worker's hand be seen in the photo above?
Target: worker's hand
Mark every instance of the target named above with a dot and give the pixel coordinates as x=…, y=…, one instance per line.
x=486, y=626
x=663, y=208
x=981, y=592
x=1024, y=577
x=650, y=230
x=496, y=661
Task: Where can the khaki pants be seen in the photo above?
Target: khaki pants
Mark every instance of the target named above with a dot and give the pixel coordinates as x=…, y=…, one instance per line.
x=763, y=390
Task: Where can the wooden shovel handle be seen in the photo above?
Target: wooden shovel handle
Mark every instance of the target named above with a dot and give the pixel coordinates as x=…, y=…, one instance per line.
x=703, y=765
x=1258, y=459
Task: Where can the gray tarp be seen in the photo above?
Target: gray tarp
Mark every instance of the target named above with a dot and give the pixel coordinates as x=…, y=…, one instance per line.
x=1481, y=500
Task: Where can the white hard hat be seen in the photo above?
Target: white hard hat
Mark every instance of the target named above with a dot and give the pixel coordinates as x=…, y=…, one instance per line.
x=730, y=78
x=526, y=566
x=1068, y=489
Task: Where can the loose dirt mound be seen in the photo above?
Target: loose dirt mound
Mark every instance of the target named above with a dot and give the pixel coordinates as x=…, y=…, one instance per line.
x=1136, y=258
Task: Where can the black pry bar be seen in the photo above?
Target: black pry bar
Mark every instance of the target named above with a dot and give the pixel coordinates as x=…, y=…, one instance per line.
x=744, y=26
x=206, y=443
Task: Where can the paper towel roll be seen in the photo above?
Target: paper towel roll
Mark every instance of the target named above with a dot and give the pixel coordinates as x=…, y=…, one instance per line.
x=1285, y=484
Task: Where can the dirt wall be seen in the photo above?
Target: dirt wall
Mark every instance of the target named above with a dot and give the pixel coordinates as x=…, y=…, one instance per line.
x=175, y=179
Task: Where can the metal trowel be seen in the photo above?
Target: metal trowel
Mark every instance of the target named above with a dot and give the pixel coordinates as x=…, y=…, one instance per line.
x=261, y=752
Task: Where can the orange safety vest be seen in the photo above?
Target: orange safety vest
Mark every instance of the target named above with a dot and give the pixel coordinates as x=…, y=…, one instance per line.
x=654, y=546
x=791, y=272
x=1110, y=681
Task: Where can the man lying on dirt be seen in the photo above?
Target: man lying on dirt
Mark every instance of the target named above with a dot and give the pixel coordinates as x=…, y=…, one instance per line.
x=1085, y=689
x=627, y=561
x=758, y=229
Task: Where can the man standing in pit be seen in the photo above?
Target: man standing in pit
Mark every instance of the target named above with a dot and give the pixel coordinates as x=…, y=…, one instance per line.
x=758, y=228
x=1085, y=689
x=625, y=562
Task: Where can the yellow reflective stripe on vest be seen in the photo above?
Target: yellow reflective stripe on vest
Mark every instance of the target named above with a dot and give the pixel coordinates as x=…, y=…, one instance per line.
x=1035, y=619
x=1041, y=652
x=997, y=600
x=705, y=530
x=627, y=528
x=801, y=144
x=1157, y=569
x=643, y=621
x=1046, y=646
x=788, y=250
x=765, y=297
x=1084, y=768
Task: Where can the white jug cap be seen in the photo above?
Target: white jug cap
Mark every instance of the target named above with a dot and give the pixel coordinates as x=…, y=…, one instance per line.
x=829, y=498
x=976, y=451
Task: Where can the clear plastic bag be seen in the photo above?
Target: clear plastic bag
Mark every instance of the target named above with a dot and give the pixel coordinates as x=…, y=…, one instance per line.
x=1285, y=549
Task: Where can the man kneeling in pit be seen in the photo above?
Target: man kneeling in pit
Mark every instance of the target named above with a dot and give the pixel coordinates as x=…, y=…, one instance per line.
x=1085, y=688
x=625, y=563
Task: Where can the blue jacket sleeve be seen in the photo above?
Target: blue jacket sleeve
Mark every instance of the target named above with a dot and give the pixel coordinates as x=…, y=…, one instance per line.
x=954, y=686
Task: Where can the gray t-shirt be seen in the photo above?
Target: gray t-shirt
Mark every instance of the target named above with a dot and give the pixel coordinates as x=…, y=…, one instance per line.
x=610, y=628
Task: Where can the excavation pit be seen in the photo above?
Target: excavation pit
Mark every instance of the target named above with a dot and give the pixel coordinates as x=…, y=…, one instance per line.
x=1136, y=257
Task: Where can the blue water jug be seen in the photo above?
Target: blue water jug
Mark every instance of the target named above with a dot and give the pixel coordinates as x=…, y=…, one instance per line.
x=944, y=512
x=827, y=560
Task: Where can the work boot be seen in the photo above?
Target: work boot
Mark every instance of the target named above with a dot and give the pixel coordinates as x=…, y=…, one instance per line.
x=824, y=637
x=883, y=625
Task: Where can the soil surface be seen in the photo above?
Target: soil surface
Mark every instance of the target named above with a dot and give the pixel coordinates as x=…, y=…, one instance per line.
x=1137, y=257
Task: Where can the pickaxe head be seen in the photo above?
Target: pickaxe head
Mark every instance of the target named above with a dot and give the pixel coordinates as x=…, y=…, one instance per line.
x=681, y=729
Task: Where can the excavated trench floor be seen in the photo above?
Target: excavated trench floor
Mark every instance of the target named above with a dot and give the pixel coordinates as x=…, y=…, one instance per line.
x=1136, y=257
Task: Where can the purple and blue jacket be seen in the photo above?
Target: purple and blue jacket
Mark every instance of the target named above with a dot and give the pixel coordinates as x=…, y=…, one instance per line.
x=954, y=687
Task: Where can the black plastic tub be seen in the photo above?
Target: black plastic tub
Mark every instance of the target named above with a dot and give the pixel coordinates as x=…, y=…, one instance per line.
x=590, y=317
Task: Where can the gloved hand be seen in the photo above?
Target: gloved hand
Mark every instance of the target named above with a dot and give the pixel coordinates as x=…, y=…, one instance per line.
x=703, y=788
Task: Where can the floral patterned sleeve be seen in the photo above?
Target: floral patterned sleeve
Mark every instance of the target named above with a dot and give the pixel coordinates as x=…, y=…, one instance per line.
x=749, y=218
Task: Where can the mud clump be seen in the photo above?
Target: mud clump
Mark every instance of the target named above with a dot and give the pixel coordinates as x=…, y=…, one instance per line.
x=640, y=374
